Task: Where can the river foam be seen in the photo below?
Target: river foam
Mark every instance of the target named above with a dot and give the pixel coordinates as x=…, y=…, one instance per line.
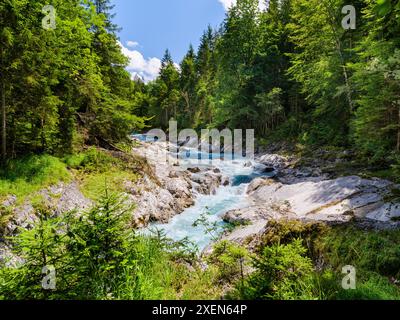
x=241, y=172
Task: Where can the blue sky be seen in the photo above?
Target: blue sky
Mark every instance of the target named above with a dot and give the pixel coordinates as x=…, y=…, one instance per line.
x=151, y=26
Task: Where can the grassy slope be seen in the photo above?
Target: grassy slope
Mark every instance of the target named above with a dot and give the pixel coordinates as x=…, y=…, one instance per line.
x=98, y=170
x=28, y=175
x=95, y=170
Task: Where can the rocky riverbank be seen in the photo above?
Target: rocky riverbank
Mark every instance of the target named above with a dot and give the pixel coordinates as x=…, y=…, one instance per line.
x=299, y=190
x=163, y=190
x=175, y=187
x=308, y=194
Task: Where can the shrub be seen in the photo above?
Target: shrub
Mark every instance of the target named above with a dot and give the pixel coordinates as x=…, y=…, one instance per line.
x=282, y=272
x=92, y=160
x=97, y=255
x=230, y=260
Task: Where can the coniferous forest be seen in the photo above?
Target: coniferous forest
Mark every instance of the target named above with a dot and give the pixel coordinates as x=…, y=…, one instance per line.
x=308, y=87
x=292, y=72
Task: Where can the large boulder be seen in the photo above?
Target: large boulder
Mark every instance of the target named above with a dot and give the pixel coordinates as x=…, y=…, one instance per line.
x=337, y=199
x=274, y=161
x=332, y=201
x=254, y=213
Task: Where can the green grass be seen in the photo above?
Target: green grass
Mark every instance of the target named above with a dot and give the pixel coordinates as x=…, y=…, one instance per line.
x=24, y=177
x=371, y=286
x=94, y=185
x=373, y=251
x=387, y=174
x=98, y=170
x=374, y=254
x=159, y=276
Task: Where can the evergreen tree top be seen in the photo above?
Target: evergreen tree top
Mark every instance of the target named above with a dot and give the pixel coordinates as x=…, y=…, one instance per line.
x=167, y=59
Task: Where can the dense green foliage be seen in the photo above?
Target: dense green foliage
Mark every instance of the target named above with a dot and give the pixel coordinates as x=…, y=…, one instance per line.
x=66, y=86
x=304, y=261
x=293, y=73
x=97, y=256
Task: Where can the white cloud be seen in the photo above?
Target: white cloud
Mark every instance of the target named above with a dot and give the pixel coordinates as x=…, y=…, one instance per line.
x=262, y=4
x=177, y=66
x=132, y=44
x=227, y=3
x=147, y=69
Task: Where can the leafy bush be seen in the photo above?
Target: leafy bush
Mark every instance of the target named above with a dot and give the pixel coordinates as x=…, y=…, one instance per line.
x=282, y=272
x=97, y=255
x=230, y=260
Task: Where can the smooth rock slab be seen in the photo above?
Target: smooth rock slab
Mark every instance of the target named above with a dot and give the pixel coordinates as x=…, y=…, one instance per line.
x=242, y=233
x=312, y=197
x=386, y=212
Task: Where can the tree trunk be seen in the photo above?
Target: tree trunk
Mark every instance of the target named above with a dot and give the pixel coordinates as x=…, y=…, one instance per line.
x=3, y=120
x=339, y=48
x=185, y=96
x=347, y=83
x=398, y=132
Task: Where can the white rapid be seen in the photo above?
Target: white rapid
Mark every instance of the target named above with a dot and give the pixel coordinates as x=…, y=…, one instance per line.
x=240, y=171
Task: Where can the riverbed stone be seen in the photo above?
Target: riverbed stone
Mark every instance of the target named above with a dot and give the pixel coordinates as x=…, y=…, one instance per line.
x=330, y=200
x=274, y=160
x=259, y=182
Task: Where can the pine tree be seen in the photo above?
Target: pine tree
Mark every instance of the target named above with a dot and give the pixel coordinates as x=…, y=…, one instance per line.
x=320, y=64
x=376, y=126
x=205, y=65
x=188, y=81
x=237, y=51
x=165, y=92
x=9, y=15
x=56, y=83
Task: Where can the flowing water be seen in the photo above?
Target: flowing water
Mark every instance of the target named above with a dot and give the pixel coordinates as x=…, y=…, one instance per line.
x=241, y=172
